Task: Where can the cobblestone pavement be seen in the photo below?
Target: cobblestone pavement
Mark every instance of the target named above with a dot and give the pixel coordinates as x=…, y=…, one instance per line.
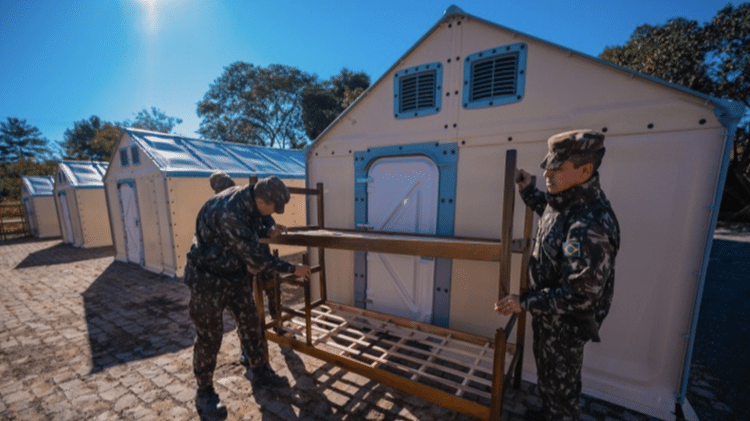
x=83, y=337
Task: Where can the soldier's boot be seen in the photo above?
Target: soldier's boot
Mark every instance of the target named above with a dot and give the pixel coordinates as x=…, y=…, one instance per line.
x=209, y=406
x=264, y=376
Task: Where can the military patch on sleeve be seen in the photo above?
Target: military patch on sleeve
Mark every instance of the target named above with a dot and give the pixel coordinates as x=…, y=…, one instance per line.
x=572, y=249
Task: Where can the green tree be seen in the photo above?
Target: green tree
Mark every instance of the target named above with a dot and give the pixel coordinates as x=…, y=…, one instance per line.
x=91, y=139
x=323, y=102
x=729, y=67
x=20, y=140
x=256, y=105
x=156, y=121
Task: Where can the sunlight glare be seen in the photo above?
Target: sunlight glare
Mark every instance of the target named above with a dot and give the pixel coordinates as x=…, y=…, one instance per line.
x=151, y=15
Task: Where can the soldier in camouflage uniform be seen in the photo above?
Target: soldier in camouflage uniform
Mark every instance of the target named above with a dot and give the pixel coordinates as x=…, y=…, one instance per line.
x=571, y=269
x=219, y=182
x=224, y=247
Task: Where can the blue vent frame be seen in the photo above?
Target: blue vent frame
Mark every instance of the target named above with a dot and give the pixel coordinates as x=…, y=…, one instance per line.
x=504, y=76
x=425, y=76
x=445, y=156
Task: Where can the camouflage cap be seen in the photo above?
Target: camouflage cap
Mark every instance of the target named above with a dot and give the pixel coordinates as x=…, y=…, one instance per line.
x=272, y=189
x=576, y=142
x=220, y=181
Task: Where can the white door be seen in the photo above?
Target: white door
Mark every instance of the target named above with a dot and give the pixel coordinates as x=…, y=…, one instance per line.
x=67, y=225
x=131, y=223
x=402, y=196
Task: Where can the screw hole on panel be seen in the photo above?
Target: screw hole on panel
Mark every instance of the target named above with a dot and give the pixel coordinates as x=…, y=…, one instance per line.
x=703, y=121
x=650, y=125
x=604, y=129
x=510, y=138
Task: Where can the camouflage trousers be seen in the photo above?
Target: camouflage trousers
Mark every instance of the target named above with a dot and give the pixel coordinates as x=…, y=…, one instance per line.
x=209, y=296
x=558, y=352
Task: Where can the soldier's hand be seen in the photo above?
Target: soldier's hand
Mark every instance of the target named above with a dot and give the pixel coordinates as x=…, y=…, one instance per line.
x=508, y=305
x=302, y=271
x=523, y=179
x=276, y=230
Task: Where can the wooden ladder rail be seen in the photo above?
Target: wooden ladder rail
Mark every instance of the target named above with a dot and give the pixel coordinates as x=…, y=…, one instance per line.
x=508, y=246
x=291, y=279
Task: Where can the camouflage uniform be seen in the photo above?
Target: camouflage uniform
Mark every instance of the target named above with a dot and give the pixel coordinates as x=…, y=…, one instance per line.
x=571, y=273
x=225, y=244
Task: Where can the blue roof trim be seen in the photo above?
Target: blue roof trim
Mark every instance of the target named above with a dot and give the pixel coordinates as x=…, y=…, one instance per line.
x=39, y=186
x=179, y=156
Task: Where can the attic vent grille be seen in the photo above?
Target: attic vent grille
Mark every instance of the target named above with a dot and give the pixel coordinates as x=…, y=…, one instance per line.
x=417, y=91
x=495, y=76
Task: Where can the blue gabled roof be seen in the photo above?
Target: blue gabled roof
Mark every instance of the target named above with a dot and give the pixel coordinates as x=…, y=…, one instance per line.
x=84, y=174
x=39, y=186
x=179, y=156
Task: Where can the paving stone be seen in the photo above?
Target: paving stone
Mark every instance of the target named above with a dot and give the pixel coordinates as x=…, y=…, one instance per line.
x=18, y=397
x=113, y=393
x=126, y=401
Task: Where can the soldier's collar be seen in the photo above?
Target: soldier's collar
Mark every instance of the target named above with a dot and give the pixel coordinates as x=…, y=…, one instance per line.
x=576, y=195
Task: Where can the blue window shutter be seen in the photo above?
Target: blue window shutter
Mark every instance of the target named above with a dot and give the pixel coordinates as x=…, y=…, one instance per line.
x=136, y=157
x=123, y=157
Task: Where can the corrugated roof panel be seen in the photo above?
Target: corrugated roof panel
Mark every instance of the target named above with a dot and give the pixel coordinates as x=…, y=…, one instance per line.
x=214, y=155
x=85, y=173
x=180, y=156
x=39, y=186
x=265, y=162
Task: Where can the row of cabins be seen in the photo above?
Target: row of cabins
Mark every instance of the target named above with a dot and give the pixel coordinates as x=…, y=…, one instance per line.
x=436, y=126
x=144, y=202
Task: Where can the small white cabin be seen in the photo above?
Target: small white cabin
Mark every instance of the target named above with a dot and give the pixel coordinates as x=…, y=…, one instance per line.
x=81, y=206
x=156, y=184
x=38, y=195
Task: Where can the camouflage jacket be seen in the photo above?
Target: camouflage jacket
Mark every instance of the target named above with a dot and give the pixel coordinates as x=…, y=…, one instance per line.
x=227, y=231
x=572, y=264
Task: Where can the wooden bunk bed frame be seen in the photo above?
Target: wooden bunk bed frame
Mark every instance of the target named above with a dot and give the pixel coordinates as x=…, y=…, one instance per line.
x=460, y=371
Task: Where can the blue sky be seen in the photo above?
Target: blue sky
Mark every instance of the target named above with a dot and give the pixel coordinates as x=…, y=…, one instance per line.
x=64, y=61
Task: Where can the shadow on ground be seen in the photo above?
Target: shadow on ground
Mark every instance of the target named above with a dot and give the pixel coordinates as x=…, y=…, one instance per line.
x=348, y=400
x=719, y=388
x=134, y=314
x=23, y=239
x=62, y=253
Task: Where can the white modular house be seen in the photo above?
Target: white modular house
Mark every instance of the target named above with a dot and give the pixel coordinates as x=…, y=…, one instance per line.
x=157, y=183
x=81, y=205
x=423, y=150
x=39, y=204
